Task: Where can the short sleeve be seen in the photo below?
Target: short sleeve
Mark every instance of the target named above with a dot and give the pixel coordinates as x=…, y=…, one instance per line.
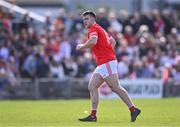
x=92, y=32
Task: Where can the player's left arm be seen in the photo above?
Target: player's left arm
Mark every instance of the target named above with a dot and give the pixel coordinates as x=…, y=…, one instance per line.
x=112, y=42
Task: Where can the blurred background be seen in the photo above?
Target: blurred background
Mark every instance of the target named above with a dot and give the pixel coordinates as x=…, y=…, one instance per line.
x=38, y=59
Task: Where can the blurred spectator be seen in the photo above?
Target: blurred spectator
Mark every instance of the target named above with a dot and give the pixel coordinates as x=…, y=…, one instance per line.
x=65, y=48
x=6, y=79
x=123, y=18
x=56, y=70
x=13, y=66
x=123, y=68
x=172, y=38
x=77, y=23
x=56, y=44
x=81, y=67
x=158, y=22
x=116, y=26
x=176, y=73
x=128, y=35
x=102, y=19
x=147, y=19
x=167, y=20
x=135, y=22
x=70, y=67
x=42, y=66
x=147, y=68
x=4, y=51
x=48, y=22
x=32, y=38
x=29, y=66
x=124, y=50
x=176, y=79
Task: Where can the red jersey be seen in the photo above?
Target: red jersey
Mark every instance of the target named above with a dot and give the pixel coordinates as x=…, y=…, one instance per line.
x=102, y=50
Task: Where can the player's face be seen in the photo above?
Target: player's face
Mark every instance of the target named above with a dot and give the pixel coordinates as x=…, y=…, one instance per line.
x=88, y=20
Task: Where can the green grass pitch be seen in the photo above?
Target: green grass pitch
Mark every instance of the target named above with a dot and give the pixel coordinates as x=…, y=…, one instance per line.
x=111, y=113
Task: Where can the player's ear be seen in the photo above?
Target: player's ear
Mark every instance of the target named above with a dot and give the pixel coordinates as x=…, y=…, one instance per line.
x=93, y=19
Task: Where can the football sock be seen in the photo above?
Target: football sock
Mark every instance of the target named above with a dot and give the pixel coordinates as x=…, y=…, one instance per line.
x=93, y=113
x=132, y=109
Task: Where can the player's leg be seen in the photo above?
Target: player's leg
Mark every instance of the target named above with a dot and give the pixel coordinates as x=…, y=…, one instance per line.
x=94, y=83
x=113, y=82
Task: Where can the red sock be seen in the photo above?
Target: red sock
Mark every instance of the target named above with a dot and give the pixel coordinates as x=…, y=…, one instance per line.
x=132, y=109
x=93, y=113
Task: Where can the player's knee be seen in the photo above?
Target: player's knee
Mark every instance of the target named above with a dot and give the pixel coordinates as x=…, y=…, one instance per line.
x=114, y=88
x=91, y=88
x=111, y=87
x=122, y=89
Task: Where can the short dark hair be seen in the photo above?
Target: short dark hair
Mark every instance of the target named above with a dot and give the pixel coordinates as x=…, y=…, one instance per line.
x=91, y=13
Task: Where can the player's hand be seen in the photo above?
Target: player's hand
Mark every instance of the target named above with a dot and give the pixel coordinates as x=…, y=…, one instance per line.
x=79, y=47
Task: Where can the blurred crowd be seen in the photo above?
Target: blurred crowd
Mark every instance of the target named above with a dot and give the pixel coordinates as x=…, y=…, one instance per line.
x=148, y=44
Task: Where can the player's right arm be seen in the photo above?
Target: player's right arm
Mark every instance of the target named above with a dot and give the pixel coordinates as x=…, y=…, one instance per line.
x=93, y=37
x=88, y=44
